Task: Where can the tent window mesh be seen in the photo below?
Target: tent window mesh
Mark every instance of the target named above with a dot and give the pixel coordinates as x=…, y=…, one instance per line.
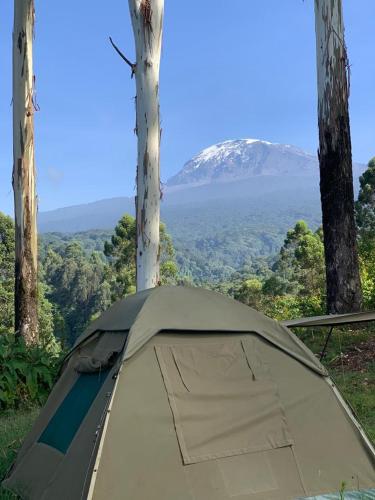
x=65, y=423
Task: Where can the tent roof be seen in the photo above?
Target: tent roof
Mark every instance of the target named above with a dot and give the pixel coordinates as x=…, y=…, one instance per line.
x=194, y=310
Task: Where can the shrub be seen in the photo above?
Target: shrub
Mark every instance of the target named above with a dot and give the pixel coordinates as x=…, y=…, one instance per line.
x=26, y=373
x=250, y=292
x=291, y=306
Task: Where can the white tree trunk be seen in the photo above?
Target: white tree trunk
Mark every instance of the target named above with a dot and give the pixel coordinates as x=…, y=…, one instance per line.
x=147, y=21
x=335, y=160
x=26, y=320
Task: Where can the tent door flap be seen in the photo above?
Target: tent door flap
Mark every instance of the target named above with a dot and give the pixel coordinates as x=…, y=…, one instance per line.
x=223, y=401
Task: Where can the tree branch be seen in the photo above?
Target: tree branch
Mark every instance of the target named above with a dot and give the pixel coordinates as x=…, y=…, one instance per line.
x=132, y=65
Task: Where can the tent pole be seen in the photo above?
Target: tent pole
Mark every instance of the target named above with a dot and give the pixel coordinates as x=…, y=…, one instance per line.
x=326, y=343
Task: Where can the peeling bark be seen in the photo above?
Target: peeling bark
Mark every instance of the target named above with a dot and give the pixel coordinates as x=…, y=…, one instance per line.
x=147, y=21
x=26, y=319
x=335, y=160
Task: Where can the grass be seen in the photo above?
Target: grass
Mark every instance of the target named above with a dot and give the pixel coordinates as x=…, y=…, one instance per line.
x=342, y=340
x=350, y=365
x=13, y=427
x=359, y=390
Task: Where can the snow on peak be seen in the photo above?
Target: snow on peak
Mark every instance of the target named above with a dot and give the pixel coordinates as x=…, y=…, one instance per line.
x=223, y=149
x=243, y=158
x=251, y=141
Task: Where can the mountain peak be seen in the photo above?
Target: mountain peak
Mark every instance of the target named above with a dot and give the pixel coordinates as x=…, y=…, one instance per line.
x=225, y=148
x=244, y=158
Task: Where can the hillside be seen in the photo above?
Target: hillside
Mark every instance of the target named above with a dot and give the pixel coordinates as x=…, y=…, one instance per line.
x=228, y=205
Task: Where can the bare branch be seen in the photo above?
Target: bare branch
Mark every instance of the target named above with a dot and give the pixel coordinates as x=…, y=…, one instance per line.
x=132, y=65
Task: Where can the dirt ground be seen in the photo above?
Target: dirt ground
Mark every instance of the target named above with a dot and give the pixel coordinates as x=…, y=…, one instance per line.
x=358, y=357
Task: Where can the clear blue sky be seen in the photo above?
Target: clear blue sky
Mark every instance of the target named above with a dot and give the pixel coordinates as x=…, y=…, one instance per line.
x=230, y=69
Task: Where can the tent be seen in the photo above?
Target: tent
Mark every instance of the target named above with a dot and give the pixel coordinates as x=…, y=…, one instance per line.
x=180, y=393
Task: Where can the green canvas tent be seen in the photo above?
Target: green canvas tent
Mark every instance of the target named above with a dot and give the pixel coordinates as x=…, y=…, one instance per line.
x=181, y=393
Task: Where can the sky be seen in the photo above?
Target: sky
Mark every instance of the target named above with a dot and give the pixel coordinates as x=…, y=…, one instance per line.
x=230, y=69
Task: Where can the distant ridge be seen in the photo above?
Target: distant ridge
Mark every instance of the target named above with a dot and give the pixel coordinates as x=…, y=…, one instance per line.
x=250, y=172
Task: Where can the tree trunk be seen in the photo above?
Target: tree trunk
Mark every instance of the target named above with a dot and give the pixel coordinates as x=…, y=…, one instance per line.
x=147, y=20
x=26, y=319
x=335, y=160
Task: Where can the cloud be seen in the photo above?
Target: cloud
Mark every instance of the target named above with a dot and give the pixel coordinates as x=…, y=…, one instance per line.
x=55, y=175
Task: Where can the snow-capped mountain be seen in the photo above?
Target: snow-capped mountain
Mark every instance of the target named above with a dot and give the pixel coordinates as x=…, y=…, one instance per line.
x=243, y=158
x=234, y=180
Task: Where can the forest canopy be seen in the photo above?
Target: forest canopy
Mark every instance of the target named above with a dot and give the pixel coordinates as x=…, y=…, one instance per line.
x=81, y=274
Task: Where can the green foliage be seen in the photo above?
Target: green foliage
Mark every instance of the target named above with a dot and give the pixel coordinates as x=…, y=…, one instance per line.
x=76, y=286
x=295, y=285
x=47, y=338
x=82, y=278
x=342, y=490
x=358, y=388
x=365, y=205
x=309, y=254
x=121, y=254
x=210, y=246
x=356, y=385
x=213, y=241
x=168, y=272
x=14, y=425
x=291, y=306
x=91, y=241
x=365, y=217
x=26, y=373
x=366, y=248
x=250, y=292
x=6, y=273
x=7, y=257
x=77, y=279
x=299, y=269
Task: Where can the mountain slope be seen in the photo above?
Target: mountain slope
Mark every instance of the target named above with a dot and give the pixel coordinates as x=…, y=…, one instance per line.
x=230, y=204
x=243, y=158
x=102, y=214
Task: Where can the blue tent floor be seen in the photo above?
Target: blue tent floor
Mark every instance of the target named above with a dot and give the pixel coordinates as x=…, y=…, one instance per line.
x=345, y=495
